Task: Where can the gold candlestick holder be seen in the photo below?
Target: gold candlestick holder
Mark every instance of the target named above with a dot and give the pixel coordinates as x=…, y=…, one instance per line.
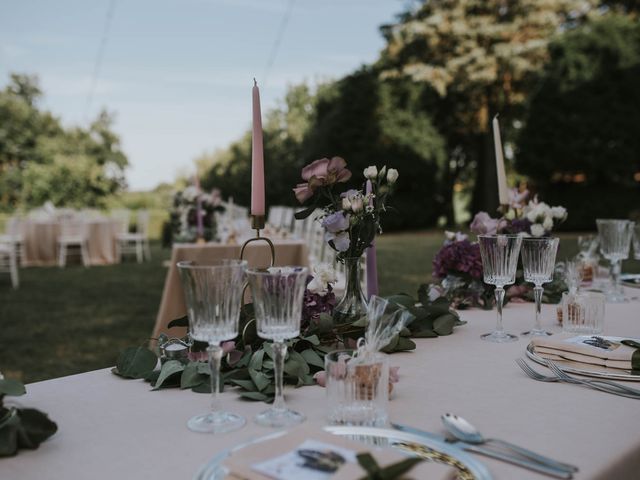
x=257, y=224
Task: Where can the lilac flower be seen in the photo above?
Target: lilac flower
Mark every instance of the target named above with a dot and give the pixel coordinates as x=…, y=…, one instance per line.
x=461, y=258
x=483, y=224
x=336, y=222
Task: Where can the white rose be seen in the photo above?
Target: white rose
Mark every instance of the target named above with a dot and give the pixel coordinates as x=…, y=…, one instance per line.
x=392, y=175
x=316, y=286
x=548, y=223
x=511, y=214
x=371, y=172
x=357, y=203
x=559, y=212
x=325, y=272
x=532, y=215
x=383, y=172
x=449, y=235
x=537, y=230
x=346, y=203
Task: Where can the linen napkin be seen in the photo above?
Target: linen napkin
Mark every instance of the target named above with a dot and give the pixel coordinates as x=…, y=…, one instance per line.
x=252, y=462
x=610, y=352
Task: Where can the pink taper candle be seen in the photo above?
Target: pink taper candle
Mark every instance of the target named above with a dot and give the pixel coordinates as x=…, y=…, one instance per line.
x=200, y=227
x=372, y=263
x=257, y=157
x=503, y=189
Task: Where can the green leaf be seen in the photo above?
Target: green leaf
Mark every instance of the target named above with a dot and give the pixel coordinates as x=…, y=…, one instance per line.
x=179, y=322
x=170, y=368
x=35, y=427
x=403, y=299
x=444, y=325
x=247, y=385
x=260, y=380
x=325, y=323
x=204, y=387
x=136, y=362
x=312, y=358
x=191, y=377
x=313, y=339
x=12, y=387
x=256, y=360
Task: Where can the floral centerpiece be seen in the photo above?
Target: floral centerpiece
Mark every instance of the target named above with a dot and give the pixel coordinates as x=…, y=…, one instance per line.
x=187, y=205
x=458, y=266
x=351, y=219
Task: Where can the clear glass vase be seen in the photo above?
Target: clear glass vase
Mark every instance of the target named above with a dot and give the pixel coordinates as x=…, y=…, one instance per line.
x=353, y=303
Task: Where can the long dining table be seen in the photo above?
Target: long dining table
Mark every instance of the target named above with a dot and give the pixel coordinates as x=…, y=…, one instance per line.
x=114, y=428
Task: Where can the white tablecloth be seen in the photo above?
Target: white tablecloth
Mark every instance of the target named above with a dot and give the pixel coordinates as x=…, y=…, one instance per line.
x=113, y=428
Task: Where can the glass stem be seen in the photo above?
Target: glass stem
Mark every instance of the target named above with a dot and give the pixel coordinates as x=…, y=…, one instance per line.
x=615, y=275
x=215, y=358
x=280, y=351
x=499, y=293
x=537, y=295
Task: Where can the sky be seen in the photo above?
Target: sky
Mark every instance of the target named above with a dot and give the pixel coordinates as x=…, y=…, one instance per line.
x=178, y=73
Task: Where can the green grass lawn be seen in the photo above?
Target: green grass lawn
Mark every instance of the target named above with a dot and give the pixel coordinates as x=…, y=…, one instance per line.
x=65, y=321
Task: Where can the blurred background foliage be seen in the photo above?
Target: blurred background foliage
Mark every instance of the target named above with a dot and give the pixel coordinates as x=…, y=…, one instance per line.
x=564, y=75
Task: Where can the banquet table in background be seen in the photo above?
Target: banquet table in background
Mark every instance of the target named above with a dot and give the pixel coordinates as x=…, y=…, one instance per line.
x=114, y=428
x=41, y=241
x=288, y=252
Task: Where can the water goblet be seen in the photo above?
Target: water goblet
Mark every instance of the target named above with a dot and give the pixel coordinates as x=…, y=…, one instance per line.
x=636, y=241
x=499, y=264
x=277, y=294
x=615, y=241
x=538, y=261
x=213, y=296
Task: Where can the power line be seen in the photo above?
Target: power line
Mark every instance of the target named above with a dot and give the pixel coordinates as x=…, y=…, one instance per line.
x=99, y=58
x=278, y=41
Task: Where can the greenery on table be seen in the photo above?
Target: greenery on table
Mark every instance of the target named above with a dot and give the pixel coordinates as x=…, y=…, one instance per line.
x=21, y=427
x=250, y=366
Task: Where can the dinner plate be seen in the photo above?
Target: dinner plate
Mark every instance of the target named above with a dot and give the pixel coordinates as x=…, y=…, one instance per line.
x=630, y=280
x=468, y=467
x=588, y=370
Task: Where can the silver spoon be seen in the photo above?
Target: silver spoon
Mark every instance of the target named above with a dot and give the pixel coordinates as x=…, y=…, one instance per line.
x=463, y=430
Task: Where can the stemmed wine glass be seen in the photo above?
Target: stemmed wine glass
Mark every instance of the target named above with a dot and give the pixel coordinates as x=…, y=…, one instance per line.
x=499, y=263
x=277, y=294
x=538, y=261
x=213, y=296
x=615, y=241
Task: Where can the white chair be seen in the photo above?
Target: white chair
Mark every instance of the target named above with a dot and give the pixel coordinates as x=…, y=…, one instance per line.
x=8, y=263
x=73, y=234
x=275, y=216
x=287, y=219
x=136, y=243
x=14, y=236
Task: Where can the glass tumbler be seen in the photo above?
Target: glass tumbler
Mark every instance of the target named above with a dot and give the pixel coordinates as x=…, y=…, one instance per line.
x=357, y=388
x=583, y=312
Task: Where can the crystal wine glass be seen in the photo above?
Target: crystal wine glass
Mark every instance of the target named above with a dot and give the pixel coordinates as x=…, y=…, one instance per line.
x=636, y=241
x=538, y=261
x=213, y=296
x=277, y=299
x=615, y=241
x=499, y=263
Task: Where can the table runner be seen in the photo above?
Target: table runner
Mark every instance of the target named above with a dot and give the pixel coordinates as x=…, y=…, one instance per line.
x=113, y=428
x=288, y=252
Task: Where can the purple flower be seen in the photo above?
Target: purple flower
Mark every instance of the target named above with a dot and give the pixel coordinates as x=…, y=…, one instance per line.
x=483, y=224
x=518, y=225
x=336, y=222
x=461, y=258
x=341, y=241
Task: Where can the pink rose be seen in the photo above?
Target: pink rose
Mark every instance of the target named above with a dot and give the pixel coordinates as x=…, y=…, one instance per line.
x=303, y=192
x=321, y=378
x=483, y=224
x=321, y=173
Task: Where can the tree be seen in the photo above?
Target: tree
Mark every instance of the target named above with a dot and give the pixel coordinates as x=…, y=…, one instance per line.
x=580, y=140
x=40, y=160
x=482, y=57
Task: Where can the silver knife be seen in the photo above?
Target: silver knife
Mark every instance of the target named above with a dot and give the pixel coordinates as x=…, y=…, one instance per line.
x=521, y=462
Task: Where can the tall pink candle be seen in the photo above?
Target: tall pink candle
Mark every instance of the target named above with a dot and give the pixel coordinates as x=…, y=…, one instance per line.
x=503, y=189
x=257, y=157
x=372, y=263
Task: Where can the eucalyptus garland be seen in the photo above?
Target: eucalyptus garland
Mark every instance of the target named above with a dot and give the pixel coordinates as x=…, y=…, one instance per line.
x=249, y=361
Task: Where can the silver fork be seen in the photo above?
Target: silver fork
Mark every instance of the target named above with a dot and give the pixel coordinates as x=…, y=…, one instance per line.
x=565, y=376
x=531, y=373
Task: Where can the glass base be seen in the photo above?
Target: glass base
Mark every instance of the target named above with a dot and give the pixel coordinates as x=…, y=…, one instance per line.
x=536, y=333
x=616, y=297
x=219, y=422
x=499, y=337
x=279, y=418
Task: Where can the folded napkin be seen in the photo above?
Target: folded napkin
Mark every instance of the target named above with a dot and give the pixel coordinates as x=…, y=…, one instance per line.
x=611, y=352
x=284, y=457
